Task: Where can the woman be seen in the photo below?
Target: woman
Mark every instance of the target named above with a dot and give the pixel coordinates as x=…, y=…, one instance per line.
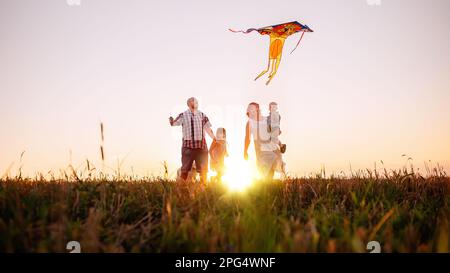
x=268, y=156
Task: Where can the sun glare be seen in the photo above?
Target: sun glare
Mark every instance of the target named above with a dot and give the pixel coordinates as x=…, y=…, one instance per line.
x=239, y=173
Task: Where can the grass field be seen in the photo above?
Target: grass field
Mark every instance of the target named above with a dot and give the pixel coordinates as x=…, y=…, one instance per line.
x=404, y=212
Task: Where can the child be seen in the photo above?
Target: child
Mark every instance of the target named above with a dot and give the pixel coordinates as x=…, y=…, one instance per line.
x=218, y=152
x=273, y=125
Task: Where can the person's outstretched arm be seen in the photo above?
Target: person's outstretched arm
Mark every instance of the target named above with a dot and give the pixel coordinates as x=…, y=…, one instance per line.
x=247, y=140
x=176, y=122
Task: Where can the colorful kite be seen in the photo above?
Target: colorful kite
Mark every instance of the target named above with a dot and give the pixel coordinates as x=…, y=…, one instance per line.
x=277, y=33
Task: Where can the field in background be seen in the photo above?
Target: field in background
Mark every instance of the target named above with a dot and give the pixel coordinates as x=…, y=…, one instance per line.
x=404, y=212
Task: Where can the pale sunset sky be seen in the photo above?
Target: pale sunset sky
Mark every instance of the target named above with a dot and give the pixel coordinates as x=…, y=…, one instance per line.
x=371, y=83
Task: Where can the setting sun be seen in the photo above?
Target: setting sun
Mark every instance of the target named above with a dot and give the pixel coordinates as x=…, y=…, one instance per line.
x=239, y=173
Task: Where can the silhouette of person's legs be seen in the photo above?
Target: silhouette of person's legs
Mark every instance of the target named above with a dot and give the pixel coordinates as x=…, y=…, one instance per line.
x=201, y=163
x=187, y=159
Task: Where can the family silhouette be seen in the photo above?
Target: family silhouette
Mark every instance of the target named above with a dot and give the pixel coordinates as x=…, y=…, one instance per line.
x=264, y=130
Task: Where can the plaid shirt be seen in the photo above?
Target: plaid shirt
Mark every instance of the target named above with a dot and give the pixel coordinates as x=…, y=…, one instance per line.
x=193, y=125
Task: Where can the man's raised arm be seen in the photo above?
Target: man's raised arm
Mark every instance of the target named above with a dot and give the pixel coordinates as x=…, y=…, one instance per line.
x=177, y=121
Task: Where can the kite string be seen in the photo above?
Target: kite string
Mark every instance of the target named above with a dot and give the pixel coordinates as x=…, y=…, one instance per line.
x=303, y=33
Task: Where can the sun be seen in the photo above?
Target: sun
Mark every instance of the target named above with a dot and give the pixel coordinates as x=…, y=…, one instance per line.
x=239, y=173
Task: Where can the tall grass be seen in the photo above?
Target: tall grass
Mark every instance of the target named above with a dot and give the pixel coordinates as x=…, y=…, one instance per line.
x=404, y=211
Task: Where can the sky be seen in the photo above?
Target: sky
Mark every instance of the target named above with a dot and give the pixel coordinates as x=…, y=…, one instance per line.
x=370, y=83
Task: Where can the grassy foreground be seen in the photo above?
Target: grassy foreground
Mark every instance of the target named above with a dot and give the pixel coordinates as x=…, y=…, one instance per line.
x=405, y=213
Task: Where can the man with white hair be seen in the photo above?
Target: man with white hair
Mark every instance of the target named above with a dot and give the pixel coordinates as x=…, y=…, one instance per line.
x=194, y=148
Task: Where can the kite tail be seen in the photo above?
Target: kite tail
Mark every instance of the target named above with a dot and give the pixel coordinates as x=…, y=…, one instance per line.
x=245, y=32
x=303, y=33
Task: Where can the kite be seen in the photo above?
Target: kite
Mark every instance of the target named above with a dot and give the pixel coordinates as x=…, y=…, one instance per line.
x=278, y=34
